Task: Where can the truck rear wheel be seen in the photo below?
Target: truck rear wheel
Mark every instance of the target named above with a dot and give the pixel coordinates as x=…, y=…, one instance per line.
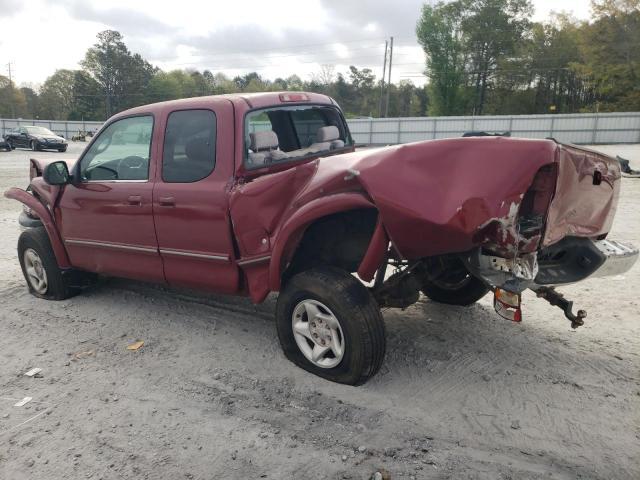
x=329, y=324
x=39, y=267
x=454, y=285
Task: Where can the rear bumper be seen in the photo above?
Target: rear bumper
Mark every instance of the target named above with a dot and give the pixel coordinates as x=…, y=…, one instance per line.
x=51, y=145
x=620, y=258
x=570, y=260
x=574, y=259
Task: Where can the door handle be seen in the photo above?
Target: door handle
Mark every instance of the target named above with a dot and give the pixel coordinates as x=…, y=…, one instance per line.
x=134, y=200
x=167, y=201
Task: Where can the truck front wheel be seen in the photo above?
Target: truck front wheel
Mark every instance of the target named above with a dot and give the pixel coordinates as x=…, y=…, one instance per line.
x=329, y=324
x=39, y=267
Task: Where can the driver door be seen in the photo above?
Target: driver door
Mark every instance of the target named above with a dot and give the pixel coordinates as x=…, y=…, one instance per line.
x=106, y=214
x=21, y=139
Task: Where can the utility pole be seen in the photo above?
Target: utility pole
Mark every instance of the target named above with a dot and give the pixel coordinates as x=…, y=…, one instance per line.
x=386, y=108
x=13, y=112
x=384, y=71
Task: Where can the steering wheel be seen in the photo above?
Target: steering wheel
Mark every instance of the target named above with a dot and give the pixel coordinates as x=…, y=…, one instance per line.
x=133, y=161
x=108, y=169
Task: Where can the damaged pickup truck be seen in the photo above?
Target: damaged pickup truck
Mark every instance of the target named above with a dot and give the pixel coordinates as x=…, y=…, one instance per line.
x=259, y=193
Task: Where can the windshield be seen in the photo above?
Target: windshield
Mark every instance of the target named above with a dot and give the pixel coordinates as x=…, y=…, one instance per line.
x=287, y=133
x=39, y=131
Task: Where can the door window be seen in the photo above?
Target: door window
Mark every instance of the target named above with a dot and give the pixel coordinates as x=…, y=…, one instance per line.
x=189, y=152
x=121, y=152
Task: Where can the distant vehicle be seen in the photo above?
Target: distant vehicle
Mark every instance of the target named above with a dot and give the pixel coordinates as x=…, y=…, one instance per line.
x=4, y=145
x=81, y=136
x=35, y=138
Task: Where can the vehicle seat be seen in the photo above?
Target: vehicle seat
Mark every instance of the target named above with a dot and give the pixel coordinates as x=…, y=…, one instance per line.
x=199, y=152
x=264, y=148
x=327, y=138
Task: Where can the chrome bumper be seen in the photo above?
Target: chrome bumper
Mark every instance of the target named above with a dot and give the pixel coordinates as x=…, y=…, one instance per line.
x=619, y=258
x=569, y=261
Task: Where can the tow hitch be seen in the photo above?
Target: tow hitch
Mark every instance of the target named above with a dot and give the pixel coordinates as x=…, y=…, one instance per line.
x=557, y=300
x=508, y=304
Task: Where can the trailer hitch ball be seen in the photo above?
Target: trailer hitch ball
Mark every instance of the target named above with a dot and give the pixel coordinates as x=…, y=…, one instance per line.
x=557, y=300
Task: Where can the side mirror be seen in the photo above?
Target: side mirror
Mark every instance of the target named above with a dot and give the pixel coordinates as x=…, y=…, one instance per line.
x=56, y=173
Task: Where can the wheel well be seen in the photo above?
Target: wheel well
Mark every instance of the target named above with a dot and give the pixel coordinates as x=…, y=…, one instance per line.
x=339, y=240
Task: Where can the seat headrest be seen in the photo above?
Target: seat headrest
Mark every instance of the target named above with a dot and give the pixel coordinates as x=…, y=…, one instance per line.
x=326, y=134
x=263, y=140
x=199, y=150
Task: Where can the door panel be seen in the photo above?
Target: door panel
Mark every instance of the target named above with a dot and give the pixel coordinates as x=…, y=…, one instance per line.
x=105, y=232
x=106, y=216
x=190, y=199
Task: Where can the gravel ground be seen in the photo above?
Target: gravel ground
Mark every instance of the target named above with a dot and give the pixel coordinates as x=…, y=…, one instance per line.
x=462, y=393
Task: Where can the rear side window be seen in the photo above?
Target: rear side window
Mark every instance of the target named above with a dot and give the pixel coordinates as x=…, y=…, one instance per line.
x=189, y=152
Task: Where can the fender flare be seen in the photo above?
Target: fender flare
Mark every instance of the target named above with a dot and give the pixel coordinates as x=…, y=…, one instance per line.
x=47, y=220
x=288, y=236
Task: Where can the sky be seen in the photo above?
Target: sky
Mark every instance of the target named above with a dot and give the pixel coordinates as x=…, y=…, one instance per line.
x=276, y=38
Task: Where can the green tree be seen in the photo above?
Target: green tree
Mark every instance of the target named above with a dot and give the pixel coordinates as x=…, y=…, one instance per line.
x=610, y=47
x=56, y=98
x=122, y=76
x=12, y=100
x=439, y=32
x=492, y=30
x=88, y=102
x=31, y=101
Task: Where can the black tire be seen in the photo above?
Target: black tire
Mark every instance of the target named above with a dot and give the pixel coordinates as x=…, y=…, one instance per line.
x=357, y=313
x=465, y=290
x=62, y=150
x=37, y=239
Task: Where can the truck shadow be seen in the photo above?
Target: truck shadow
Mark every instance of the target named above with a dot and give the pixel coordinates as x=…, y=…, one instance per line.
x=425, y=338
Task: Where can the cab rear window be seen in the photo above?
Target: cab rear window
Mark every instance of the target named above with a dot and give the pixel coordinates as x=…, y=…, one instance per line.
x=283, y=134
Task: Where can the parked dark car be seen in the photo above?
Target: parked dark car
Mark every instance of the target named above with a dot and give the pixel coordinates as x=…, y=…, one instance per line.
x=35, y=138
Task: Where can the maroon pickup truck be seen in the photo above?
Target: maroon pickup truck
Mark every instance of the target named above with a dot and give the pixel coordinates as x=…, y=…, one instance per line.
x=255, y=193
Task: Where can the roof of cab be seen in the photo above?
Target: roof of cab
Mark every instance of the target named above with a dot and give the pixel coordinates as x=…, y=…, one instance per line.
x=253, y=100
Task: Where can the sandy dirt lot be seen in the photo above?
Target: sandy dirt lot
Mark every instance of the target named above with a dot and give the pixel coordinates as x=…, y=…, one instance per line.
x=462, y=393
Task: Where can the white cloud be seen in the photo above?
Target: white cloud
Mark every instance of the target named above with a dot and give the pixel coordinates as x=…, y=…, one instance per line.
x=275, y=38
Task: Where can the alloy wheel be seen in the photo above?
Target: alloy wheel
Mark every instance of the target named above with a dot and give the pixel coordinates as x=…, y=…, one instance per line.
x=318, y=333
x=36, y=274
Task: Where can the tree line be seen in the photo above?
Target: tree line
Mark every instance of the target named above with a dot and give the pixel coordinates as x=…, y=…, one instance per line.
x=482, y=57
x=487, y=57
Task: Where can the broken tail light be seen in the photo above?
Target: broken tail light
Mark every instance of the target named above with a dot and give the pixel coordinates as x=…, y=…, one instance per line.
x=534, y=207
x=507, y=304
